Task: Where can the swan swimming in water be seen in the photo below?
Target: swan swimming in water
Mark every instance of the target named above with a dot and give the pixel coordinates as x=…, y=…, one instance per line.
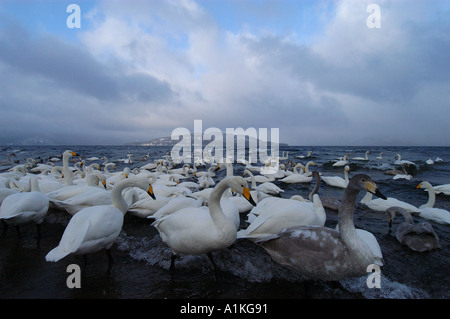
x=381, y=204
x=427, y=210
x=322, y=252
x=342, y=162
x=418, y=237
x=362, y=158
x=337, y=181
x=442, y=189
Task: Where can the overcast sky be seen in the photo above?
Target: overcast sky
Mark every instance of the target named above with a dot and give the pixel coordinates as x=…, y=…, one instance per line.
x=136, y=70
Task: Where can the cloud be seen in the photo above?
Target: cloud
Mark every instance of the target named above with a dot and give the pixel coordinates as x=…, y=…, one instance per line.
x=139, y=71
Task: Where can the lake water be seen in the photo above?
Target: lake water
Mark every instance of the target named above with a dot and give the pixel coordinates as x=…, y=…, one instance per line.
x=141, y=259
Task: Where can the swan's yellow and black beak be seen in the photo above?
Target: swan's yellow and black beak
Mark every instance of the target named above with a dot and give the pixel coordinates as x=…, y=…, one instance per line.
x=217, y=168
x=419, y=186
x=372, y=188
x=104, y=184
x=248, y=196
x=74, y=154
x=150, y=192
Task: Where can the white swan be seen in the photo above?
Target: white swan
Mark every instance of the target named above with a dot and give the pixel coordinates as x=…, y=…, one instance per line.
x=342, y=162
x=284, y=213
x=67, y=173
x=70, y=191
x=380, y=157
x=90, y=196
x=442, y=189
x=201, y=230
x=5, y=192
x=175, y=204
x=362, y=158
x=399, y=161
x=427, y=210
x=303, y=156
x=95, y=228
x=337, y=181
x=21, y=208
x=297, y=177
x=266, y=187
x=418, y=237
x=380, y=205
x=270, y=204
x=322, y=252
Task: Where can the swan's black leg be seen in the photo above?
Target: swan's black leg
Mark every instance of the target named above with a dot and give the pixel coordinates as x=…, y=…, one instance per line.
x=110, y=258
x=5, y=226
x=38, y=239
x=212, y=261
x=172, y=262
x=18, y=230
x=38, y=227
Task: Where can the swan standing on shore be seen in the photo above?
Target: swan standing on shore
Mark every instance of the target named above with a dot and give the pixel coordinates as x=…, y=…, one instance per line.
x=201, y=230
x=97, y=227
x=21, y=208
x=322, y=252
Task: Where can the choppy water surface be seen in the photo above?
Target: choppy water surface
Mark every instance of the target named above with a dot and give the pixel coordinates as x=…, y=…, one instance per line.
x=141, y=259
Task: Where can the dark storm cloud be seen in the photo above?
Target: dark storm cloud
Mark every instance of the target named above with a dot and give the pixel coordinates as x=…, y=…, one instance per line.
x=68, y=66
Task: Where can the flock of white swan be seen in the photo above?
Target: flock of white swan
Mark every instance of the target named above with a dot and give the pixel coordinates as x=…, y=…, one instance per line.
x=196, y=213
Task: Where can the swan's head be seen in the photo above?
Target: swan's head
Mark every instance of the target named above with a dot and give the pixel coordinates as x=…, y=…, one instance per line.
x=424, y=185
x=391, y=211
x=142, y=183
x=70, y=153
x=390, y=214
x=362, y=182
x=240, y=185
x=347, y=168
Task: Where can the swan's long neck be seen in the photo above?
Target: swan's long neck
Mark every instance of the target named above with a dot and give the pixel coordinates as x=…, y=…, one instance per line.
x=34, y=185
x=116, y=194
x=431, y=196
x=252, y=177
x=307, y=172
x=68, y=180
x=407, y=216
x=345, y=221
x=215, y=210
x=346, y=176
x=296, y=166
x=316, y=187
x=229, y=169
